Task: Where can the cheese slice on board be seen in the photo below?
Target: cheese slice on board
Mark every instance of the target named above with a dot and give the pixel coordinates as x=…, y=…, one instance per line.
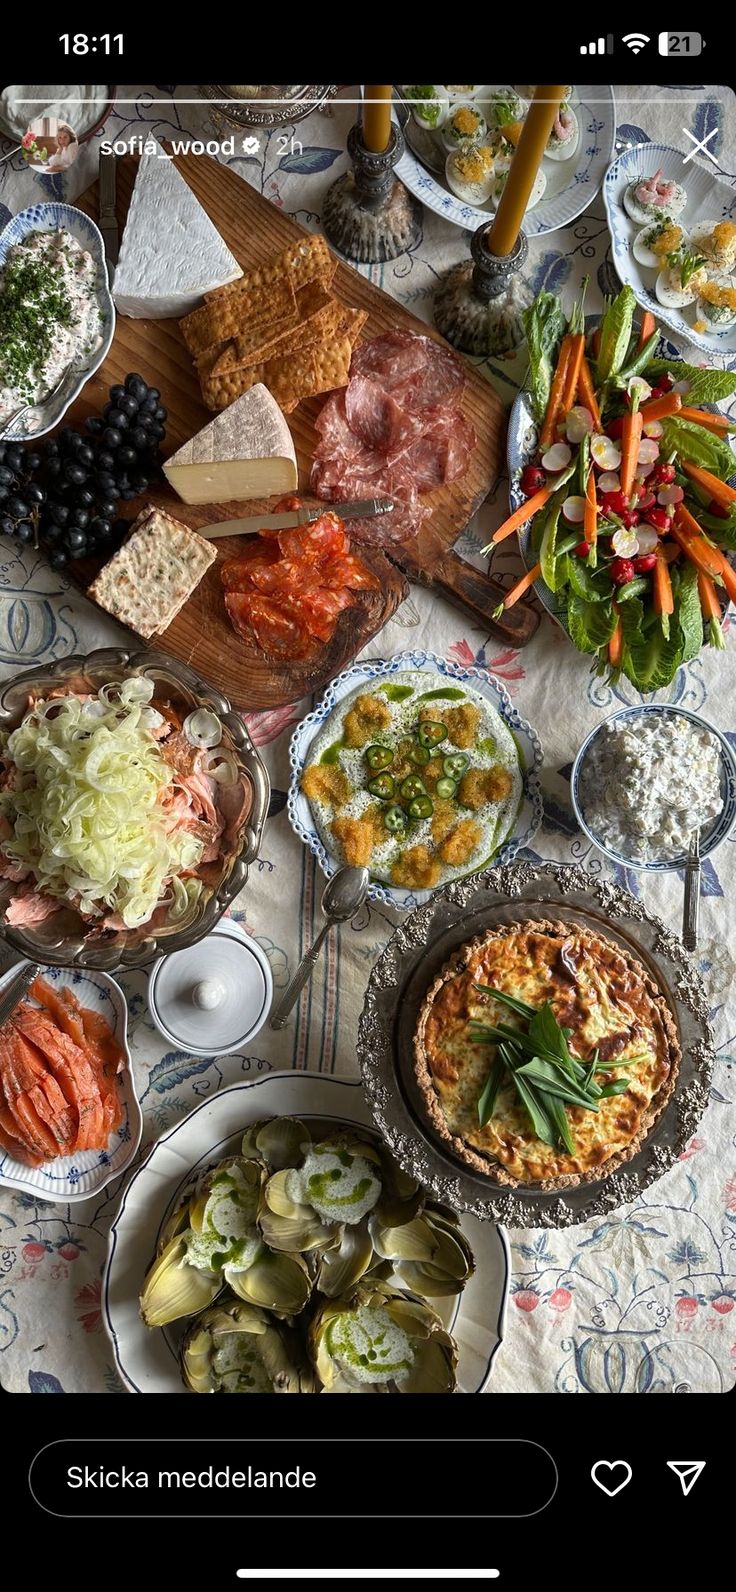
x=171, y=253
x=247, y=451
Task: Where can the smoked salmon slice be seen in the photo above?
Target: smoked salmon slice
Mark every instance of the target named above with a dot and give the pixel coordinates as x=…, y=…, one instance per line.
x=72, y=1071
x=58, y=1078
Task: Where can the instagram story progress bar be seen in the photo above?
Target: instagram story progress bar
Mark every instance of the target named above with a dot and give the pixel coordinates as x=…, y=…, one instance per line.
x=602, y=46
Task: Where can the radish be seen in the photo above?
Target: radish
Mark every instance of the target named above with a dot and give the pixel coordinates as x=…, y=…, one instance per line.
x=681, y=387
x=624, y=542
x=579, y=423
x=647, y=538
x=647, y=499
x=556, y=458
x=670, y=494
x=606, y=453
x=640, y=386
x=607, y=482
x=648, y=451
x=643, y=470
x=573, y=509
x=654, y=429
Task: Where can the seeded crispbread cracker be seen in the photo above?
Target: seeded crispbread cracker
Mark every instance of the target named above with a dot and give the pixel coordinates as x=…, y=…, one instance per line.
x=305, y=261
x=319, y=324
x=351, y=324
x=316, y=369
x=149, y=579
x=269, y=305
x=219, y=391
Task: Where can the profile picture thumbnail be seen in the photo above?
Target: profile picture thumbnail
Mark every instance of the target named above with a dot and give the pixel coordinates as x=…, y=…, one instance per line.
x=49, y=145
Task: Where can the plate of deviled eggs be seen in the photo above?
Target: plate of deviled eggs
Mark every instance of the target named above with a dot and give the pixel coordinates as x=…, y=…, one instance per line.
x=461, y=139
x=673, y=227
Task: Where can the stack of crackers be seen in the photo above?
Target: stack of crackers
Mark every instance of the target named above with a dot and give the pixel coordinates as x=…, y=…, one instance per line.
x=279, y=325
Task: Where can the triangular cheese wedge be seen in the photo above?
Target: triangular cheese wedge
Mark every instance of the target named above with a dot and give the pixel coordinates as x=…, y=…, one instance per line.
x=171, y=253
x=247, y=451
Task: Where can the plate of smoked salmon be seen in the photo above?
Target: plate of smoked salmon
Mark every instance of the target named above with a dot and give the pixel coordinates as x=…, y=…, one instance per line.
x=69, y=1115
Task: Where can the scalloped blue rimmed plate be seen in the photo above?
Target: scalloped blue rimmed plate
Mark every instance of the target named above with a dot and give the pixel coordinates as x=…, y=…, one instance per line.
x=148, y=1361
x=77, y=1177
x=719, y=829
x=529, y=817
x=571, y=184
x=49, y=217
x=708, y=198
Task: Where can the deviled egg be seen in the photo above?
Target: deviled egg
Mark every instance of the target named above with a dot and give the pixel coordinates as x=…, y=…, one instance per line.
x=464, y=125
x=680, y=284
x=653, y=198
x=503, y=164
x=504, y=107
x=565, y=135
x=471, y=173
x=717, y=241
x=465, y=90
x=716, y=302
x=652, y=245
x=430, y=103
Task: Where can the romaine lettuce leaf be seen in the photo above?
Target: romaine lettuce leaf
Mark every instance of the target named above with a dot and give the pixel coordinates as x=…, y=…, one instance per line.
x=616, y=334
x=699, y=446
x=591, y=625
x=650, y=658
x=688, y=612
x=706, y=386
x=544, y=324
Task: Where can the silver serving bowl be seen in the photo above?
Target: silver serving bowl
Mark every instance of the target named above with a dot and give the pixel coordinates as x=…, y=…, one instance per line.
x=276, y=105
x=63, y=940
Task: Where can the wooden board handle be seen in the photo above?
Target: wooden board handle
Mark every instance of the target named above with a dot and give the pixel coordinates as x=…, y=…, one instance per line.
x=471, y=588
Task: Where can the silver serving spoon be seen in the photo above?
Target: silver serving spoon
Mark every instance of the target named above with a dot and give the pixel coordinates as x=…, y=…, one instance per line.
x=14, y=991
x=7, y=424
x=692, y=894
x=344, y=893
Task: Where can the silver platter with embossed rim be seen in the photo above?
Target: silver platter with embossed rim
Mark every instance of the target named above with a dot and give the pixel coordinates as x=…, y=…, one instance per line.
x=421, y=946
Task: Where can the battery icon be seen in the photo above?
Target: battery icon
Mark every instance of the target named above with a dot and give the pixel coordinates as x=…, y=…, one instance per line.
x=681, y=45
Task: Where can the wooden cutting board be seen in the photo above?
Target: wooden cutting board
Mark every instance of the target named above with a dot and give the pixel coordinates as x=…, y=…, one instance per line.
x=201, y=635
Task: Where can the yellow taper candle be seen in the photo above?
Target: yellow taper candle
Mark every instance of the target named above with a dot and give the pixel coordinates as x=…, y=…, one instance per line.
x=524, y=167
x=377, y=116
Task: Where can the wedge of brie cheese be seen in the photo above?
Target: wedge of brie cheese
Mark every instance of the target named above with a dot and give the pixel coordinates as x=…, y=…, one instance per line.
x=247, y=451
x=171, y=254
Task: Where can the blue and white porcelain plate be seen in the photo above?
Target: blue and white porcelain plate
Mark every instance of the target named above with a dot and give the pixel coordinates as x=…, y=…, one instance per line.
x=77, y=1177
x=52, y=216
x=148, y=1361
x=708, y=199
x=571, y=184
x=527, y=741
x=711, y=837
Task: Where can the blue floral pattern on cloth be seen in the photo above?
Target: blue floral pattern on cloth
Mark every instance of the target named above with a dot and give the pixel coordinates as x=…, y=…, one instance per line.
x=643, y=1301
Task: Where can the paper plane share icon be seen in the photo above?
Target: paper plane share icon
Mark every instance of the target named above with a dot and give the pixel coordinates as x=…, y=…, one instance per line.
x=688, y=1471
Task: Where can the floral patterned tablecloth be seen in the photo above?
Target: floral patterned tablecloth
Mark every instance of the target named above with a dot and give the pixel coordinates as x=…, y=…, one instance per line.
x=641, y=1300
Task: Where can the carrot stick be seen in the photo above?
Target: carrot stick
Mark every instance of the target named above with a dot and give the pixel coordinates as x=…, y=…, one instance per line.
x=708, y=598
x=664, y=602
x=590, y=519
x=572, y=374
x=724, y=494
x=616, y=646
x=685, y=521
x=526, y=511
x=630, y=438
x=548, y=432
x=719, y=424
x=586, y=393
x=728, y=576
x=671, y=551
x=700, y=552
x=647, y=329
x=520, y=586
x=659, y=408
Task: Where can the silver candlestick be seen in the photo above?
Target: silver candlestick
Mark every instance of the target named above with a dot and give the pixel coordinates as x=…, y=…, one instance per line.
x=368, y=214
x=479, y=303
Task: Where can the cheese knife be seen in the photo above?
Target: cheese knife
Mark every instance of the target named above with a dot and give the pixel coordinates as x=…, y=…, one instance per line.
x=303, y=516
x=108, y=222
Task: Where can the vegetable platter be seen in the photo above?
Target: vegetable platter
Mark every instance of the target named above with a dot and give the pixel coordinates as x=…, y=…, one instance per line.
x=620, y=489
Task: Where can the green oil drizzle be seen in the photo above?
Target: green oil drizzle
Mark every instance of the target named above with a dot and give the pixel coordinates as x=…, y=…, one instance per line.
x=331, y=753
x=487, y=746
x=449, y=693
x=397, y=693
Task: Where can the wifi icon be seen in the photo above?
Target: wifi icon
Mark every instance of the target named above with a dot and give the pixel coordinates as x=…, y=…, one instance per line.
x=636, y=41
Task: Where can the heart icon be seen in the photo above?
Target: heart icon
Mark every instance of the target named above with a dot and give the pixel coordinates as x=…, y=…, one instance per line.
x=607, y=1485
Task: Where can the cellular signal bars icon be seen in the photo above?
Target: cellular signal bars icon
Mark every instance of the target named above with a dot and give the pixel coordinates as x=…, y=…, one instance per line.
x=598, y=46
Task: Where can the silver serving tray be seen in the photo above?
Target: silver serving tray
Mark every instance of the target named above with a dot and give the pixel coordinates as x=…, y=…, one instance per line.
x=421, y=946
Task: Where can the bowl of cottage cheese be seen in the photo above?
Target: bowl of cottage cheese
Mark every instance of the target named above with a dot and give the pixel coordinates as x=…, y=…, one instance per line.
x=646, y=778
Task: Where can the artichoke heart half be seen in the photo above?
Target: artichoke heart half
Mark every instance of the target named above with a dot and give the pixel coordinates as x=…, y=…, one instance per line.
x=237, y=1348
x=381, y=1340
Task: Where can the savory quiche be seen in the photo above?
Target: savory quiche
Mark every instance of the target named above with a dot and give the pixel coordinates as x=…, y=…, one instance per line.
x=416, y=777
x=604, y=1009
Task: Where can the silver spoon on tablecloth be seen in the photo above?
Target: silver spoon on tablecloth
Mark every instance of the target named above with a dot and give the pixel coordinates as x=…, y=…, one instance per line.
x=344, y=893
x=691, y=903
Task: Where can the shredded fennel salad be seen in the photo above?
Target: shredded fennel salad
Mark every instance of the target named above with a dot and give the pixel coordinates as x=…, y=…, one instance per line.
x=88, y=808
